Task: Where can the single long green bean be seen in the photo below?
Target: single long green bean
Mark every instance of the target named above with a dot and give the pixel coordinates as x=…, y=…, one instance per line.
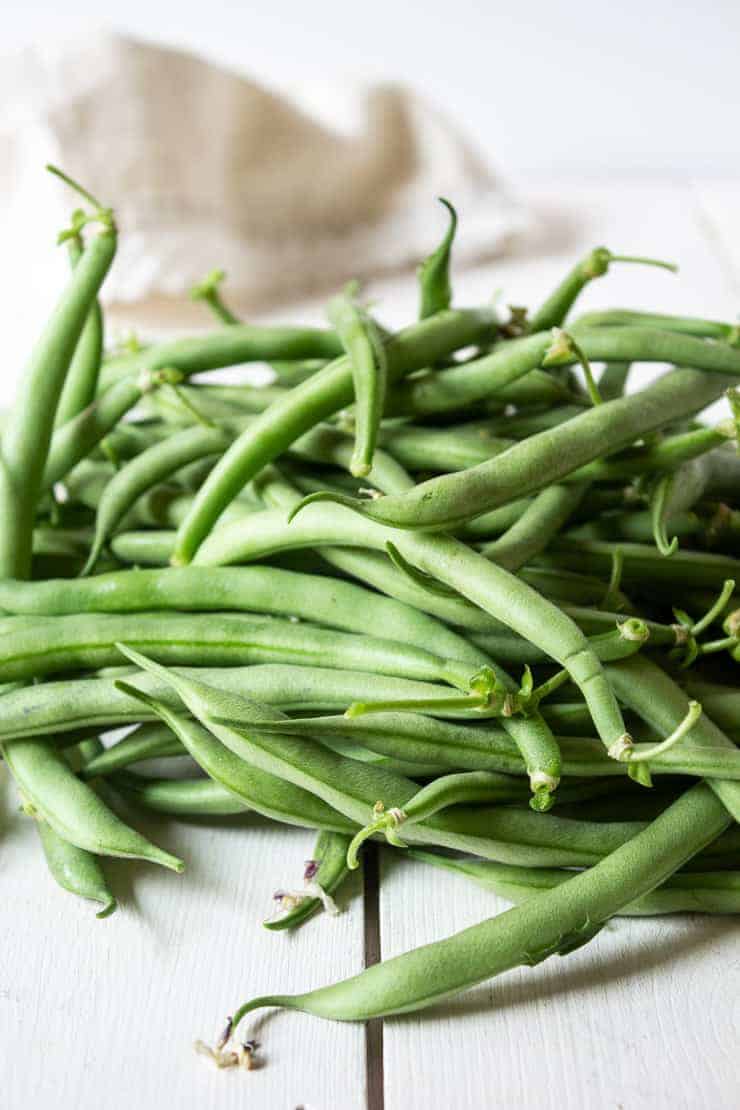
x=82, y=377
x=546, y=457
x=33, y=647
x=553, y=921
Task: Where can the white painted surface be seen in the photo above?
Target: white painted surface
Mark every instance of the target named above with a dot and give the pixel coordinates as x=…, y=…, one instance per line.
x=104, y=1013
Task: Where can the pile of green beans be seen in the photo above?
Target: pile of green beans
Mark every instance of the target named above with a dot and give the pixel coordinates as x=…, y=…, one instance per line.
x=404, y=593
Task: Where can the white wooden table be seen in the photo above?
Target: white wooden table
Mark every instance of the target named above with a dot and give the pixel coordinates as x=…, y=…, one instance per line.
x=105, y=1013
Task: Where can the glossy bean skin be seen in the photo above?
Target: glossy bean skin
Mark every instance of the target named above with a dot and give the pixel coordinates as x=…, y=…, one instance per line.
x=553, y=921
x=317, y=398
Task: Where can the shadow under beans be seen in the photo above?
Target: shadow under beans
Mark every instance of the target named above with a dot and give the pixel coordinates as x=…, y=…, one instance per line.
x=583, y=978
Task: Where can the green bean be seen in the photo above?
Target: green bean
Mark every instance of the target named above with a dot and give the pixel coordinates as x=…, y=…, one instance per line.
x=553, y=921
x=538, y=387
x=317, y=398
x=148, y=741
x=363, y=344
x=73, y=441
x=260, y=791
x=352, y=788
x=525, y=423
x=613, y=380
x=435, y=292
x=446, y=391
x=686, y=325
x=508, y=598
x=208, y=291
x=176, y=797
x=642, y=563
x=696, y=892
x=327, y=870
x=33, y=647
x=496, y=522
x=75, y=870
x=420, y=448
x=228, y=347
x=541, y=521
x=82, y=377
x=73, y=810
x=646, y=689
x=27, y=433
x=537, y=744
x=669, y=453
x=408, y=768
x=596, y=263
x=150, y=467
x=67, y=705
x=547, y=457
x=255, y=589
x=327, y=444
x=635, y=527
x=469, y=787
x=217, y=403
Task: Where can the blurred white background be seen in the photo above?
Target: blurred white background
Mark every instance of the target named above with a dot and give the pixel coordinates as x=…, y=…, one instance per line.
x=589, y=87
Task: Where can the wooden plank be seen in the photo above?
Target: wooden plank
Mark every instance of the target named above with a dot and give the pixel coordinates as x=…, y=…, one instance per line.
x=643, y=1017
x=106, y=1012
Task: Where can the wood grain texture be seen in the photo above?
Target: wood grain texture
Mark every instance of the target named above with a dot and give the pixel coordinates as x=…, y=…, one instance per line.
x=105, y=1012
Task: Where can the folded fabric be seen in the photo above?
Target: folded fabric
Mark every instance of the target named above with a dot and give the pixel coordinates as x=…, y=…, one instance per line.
x=206, y=168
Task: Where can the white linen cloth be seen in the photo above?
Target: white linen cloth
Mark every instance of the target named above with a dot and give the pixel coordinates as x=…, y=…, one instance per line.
x=291, y=195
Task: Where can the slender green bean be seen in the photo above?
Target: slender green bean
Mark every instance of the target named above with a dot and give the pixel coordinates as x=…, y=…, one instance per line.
x=596, y=263
x=554, y=921
x=548, y=456
x=82, y=377
x=33, y=647
x=711, y=892
x=363, y=344
x=75, y=870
